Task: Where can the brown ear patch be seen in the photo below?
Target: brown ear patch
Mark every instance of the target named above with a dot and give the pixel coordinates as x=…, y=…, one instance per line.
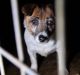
x=43, y=12
x=28, y=9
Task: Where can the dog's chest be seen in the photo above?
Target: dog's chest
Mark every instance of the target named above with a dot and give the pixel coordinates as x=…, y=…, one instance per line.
x=41, y=48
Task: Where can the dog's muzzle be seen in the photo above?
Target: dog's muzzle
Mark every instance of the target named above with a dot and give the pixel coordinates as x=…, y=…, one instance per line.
x=42, y=38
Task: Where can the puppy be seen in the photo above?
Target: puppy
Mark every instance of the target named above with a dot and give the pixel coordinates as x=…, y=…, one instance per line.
x=39, y=35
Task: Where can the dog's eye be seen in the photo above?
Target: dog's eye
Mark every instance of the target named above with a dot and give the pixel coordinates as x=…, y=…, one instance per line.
x=50, y=23
x=35, y=21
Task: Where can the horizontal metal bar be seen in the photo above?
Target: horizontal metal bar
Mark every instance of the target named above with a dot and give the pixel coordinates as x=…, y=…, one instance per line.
x=16, y=62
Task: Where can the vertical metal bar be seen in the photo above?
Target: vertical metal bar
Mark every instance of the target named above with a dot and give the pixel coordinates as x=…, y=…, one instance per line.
x=1, y=66
x=16, y=22
x=60, y=29
x=15, y=14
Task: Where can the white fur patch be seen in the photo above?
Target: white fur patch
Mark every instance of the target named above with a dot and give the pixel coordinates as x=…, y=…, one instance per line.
x=41, y=48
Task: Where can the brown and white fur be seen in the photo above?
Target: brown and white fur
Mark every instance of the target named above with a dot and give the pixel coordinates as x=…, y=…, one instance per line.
x=39, y=35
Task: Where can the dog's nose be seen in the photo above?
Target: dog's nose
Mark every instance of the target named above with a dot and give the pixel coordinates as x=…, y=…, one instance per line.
x=42, y=38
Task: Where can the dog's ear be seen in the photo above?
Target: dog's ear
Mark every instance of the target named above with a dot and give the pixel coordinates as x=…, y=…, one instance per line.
x=51, y=6
x=28, y=9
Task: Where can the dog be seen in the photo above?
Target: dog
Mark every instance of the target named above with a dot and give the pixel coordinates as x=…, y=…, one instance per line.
x=39, y=35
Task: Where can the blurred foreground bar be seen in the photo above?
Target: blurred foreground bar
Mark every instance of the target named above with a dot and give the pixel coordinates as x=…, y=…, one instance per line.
x=60, y=32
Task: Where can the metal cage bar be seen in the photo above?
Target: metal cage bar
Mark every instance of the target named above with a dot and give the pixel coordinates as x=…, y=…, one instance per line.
x=16, y=23
x=60, y=29
x=16, y=62
x=1, y=65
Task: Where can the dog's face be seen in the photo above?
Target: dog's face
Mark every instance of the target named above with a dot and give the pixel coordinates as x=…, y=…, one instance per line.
x=40, y=23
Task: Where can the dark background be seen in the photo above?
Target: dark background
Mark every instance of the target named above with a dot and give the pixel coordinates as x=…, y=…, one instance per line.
x=72, y=15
